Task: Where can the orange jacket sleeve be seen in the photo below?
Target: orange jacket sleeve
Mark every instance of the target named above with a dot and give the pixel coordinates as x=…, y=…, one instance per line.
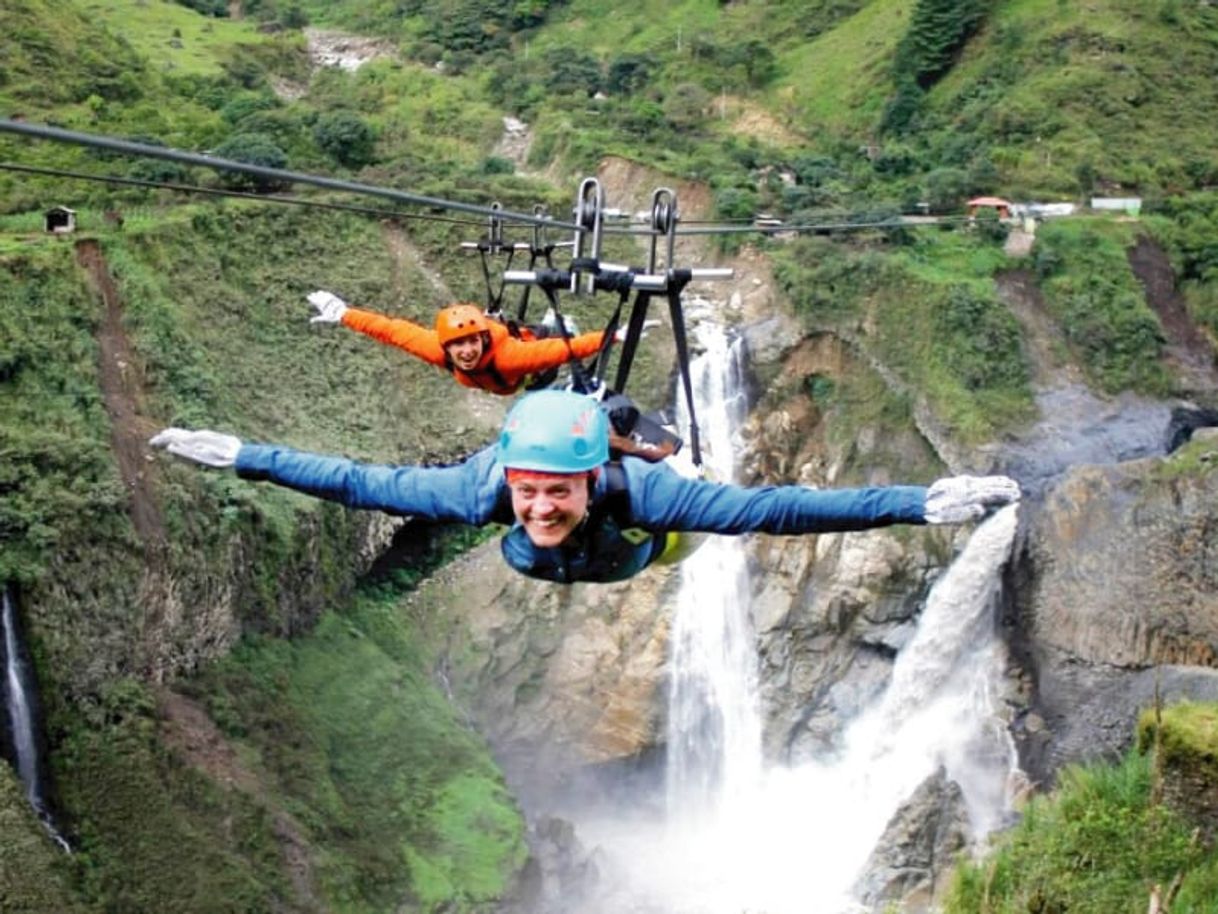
x=418, y=341
x=517, y=357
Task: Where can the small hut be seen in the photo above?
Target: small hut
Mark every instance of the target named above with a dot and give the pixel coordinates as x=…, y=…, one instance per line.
x=1003, y=207
x=60, y=220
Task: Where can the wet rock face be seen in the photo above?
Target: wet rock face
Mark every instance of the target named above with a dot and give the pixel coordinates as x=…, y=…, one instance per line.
x=918, y=848
x=830, y=616
x=1128, y=568
x=558, y=678
x=1117, y=589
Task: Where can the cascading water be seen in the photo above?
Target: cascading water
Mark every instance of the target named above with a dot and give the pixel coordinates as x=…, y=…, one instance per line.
x=714, y=728
x=737, y=836
x=18, y=704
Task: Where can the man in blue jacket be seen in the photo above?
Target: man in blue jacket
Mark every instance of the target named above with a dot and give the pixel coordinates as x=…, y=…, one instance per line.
x=574, y=515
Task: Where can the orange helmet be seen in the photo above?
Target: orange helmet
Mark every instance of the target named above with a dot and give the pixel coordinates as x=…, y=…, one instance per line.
x=457, y=321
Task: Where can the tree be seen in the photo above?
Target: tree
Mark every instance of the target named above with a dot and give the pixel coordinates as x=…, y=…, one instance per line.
x=252, y=149
x=628, y=73
x=946, y=189
x=572, y=71
x=937, y=31
x=686, y=105
x=346, y=138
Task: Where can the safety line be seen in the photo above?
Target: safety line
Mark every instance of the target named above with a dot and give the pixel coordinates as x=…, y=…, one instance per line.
x=219, y=192
x=44, y=132
x=207, y=161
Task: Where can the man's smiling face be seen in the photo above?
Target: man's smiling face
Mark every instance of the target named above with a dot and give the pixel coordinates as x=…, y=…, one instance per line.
x=549, y=505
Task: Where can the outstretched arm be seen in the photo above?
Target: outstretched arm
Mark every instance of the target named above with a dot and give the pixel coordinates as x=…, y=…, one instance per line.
x=660, y=499
x=417, y=340
x=466, y=492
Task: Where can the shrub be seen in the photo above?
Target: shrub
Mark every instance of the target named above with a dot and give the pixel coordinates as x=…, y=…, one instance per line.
x=686, y=105
x=497, y=165
x=629, y=73
x=245, y=104
x=346, y=138
x=252, y=149
x=735, y=203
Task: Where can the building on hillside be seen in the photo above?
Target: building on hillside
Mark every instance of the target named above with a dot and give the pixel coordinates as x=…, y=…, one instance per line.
x=1042, y=210
x=60, y=220
x=1001, y=206
x=1130, y=206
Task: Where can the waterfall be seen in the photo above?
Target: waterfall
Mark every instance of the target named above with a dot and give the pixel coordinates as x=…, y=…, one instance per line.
x=714, y=728
x=18, y=694
x=738, y=836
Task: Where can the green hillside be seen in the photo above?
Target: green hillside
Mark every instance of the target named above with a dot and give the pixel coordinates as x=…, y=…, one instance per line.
x=818, y=111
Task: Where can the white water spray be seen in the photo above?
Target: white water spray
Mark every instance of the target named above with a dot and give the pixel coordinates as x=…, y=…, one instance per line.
x=737, y=837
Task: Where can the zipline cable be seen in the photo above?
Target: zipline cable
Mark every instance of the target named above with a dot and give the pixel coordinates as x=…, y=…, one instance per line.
x=277, y=174
x=44, y=132
x=803, y=228
x=220, y=192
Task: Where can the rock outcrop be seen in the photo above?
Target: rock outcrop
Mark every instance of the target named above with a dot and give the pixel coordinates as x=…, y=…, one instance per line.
x=1117, y=587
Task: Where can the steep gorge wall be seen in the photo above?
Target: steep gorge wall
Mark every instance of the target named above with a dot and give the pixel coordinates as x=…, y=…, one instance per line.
x=1116, y=599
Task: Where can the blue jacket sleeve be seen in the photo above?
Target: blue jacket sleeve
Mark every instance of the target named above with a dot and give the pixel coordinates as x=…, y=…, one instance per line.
x=466, y=492
x=661, y=499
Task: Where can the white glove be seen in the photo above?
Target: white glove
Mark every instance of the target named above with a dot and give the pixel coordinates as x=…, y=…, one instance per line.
x=619, y=335
x=330, y=308
x=963, y=498
x=212, y=448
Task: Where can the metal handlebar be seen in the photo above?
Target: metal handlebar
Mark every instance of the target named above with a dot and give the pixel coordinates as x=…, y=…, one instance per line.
x=649, y=282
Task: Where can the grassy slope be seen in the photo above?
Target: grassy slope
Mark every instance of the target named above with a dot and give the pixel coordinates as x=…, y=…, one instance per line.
x=927, y=310
x=1100, y=842
x=1125, y=87
x=206, y=42
x=354, y=740
x=214, y=304
x=836, y=85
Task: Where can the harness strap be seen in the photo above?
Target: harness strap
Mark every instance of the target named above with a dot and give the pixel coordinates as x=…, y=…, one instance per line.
x=494, y=297
x=601, y=364
x=582, y=382
x=634, y=333
x=677, y=283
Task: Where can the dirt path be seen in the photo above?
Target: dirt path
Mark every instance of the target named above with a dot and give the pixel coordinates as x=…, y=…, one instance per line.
x=190, y=733
x=514, y=144
x=121, y=377
x=1018, y=290
x=406, y=256
x=1189, y=353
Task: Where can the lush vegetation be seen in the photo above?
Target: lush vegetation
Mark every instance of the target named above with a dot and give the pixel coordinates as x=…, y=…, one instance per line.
x=33, y=873
x=1099, y=305
x=1104, y=838
x=349, y=734
x=1188, y=228
x=821, y=112
x=928, y=311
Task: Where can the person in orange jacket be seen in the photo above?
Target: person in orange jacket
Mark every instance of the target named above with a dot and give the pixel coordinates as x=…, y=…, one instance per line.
x=475, y=349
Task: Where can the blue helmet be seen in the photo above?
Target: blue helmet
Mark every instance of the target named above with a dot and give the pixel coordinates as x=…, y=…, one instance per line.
x=555, y=431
